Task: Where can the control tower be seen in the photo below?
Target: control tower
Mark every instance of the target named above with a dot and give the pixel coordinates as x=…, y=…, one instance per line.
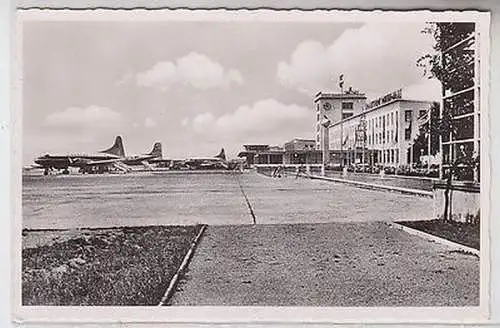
x=335, y=107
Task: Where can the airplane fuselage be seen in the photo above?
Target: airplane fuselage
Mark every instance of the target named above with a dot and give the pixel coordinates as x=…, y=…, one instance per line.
x=51, y=161
x=137, y=160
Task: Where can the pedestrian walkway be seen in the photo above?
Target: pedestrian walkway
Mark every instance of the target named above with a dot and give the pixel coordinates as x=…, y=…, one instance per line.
x=334, y=264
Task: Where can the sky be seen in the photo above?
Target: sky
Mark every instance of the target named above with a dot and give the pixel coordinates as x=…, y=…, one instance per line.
x=199, y=86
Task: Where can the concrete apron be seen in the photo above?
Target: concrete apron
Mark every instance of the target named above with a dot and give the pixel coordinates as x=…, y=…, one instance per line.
x=331, y=264
x=373, y=186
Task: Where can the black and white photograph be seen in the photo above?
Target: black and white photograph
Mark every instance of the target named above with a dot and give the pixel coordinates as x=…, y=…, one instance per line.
x=252, y=159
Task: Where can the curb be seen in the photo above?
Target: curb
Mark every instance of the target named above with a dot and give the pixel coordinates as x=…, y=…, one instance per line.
x=173, y=283
x=433, y=238
x=365, y=185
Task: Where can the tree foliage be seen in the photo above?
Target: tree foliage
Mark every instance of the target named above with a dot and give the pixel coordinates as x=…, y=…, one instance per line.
x=449, y=66
x=426, y=130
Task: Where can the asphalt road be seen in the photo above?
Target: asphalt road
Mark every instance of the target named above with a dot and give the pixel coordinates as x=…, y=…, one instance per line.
x=333, y=264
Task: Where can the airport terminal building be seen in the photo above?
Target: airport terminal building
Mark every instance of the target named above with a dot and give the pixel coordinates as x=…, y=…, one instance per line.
x=294, y=152
x=379, y=132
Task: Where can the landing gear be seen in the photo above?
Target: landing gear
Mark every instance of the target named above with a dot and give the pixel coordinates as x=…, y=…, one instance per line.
x=46, y=172
x=65, y=171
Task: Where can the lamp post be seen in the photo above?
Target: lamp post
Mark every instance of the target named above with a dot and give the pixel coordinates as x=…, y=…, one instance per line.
x=325, y=123
x=341, y=139
x=411, y=155
x=349, y=157
x=355, y=146
x=382, y=158
x=360, y=137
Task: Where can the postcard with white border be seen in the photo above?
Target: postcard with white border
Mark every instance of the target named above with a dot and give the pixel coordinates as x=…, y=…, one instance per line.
x=234, y=166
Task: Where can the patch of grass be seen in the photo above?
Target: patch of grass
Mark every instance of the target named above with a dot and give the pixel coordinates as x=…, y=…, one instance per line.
x=458, y=232
x=122, y=266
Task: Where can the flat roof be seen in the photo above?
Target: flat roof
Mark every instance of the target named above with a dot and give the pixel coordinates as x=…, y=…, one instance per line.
x=301, y=139
x=379, y=107
x=333, y=95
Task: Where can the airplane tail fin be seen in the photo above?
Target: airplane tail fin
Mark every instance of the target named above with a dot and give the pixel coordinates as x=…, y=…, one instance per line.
x=117, y=148
x=157, y=151
x=222, y=155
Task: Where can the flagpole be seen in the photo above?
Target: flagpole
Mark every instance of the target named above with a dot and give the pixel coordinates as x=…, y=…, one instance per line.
x=429, y=142
x=341, y=141
x=341, y=85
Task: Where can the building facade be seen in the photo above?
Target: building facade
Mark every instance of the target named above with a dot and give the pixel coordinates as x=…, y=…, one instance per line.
x=380, y=132
x=460, y=78
x=302, y=151
x=295, y=152
x=262, y=154
x=335, y=107
x=299, y=144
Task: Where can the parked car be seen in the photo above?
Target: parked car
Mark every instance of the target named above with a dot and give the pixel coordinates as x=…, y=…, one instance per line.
x=389, y=170
x=333, y=167
x=362, y=167
x=375, y=169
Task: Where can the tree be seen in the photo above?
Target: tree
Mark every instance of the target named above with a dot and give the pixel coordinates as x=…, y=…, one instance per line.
x=429, y=129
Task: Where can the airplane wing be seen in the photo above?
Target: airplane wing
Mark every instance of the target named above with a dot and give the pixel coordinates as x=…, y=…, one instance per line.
x=121, y=166
x=82, y=161
x=117, y=163
x=32, y=167
x=147, y=165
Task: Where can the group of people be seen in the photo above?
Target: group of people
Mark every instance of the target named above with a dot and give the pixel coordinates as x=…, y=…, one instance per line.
x=280, y=171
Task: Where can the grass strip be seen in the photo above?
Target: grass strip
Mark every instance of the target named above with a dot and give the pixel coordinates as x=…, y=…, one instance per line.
x=458, y=232
x=121, y=266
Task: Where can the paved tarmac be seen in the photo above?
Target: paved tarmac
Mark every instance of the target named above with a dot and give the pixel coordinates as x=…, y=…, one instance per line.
x=66, y=202
x=291, y=200
x=332, y=264
x=419, y=183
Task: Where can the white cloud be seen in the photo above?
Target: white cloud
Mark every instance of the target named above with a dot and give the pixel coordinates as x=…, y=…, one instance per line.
x=428, y=90
x=266, y=120
x=194, y=69
x=375, y=58
x=185, y=121
x=127, y=78
x=203, y=123
x=149, y=122
x=94, y=116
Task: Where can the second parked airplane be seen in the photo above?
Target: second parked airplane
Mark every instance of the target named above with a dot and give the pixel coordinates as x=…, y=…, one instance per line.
x=113, y=157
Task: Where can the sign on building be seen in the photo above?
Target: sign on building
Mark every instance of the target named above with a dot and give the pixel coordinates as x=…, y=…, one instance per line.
x=385, y=99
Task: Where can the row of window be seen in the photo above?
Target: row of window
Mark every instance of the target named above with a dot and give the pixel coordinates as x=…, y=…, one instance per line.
x=389, y=156
x=390, y=136
x=348, y=105
x=345, y=105
x=389, y=119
